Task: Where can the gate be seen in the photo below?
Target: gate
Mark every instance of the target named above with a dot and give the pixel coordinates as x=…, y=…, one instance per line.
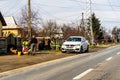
x=10, y=42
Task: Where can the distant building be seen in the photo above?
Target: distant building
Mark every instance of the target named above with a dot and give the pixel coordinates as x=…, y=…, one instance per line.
x=59, y=33
x=58, y=36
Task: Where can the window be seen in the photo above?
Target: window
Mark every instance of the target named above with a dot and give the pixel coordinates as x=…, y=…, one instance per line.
x=74, y=39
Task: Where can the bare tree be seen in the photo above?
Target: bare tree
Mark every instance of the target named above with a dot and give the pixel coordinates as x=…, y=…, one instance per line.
x=35, y=20
x=50, y=28
x=69, y=31
x=116, y=33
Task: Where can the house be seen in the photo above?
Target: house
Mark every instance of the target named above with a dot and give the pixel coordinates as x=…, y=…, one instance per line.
x=59, y=33
x=8, y=26
x=58, y=36
x=2, y=23
x=11, y=27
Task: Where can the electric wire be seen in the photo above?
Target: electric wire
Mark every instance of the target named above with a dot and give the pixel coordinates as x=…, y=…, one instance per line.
x=13, y=8
x=114, y=11
x=47, y=13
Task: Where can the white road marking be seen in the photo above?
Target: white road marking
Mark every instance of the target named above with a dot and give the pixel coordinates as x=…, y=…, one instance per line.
x=108, y=58
x=82, y=74
x=118, y=53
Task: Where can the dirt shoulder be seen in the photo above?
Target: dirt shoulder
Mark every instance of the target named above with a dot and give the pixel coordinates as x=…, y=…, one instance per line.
x=10, y=62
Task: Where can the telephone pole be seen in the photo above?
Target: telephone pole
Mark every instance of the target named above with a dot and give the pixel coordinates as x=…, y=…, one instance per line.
x=82, y=20
x=89, y=16
x=82, y=25
x=29, y=19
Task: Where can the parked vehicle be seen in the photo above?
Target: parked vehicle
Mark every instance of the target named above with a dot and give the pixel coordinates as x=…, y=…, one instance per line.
x=75, y=44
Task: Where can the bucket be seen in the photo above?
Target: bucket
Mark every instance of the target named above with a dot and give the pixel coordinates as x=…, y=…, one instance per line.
x=19, y=53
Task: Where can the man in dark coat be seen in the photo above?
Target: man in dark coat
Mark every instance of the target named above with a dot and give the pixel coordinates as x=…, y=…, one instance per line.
x=33, y=43
x=48, y=44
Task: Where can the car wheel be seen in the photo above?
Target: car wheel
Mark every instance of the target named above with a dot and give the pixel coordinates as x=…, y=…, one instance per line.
x=81, y=50
x=63, y=51
x=87, y=50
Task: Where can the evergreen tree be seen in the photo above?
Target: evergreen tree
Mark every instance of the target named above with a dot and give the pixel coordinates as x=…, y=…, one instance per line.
x=96, y=26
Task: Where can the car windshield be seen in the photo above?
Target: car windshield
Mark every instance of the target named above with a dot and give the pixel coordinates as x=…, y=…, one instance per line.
x=73, y=39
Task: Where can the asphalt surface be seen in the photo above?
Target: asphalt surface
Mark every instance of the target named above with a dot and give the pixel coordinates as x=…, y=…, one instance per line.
x=66, y=68
x=107, y=70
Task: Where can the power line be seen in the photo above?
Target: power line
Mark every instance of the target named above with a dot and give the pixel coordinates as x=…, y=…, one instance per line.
x=110, y=21
x=12, y=7
x=48, y=13
x=99, y=4
x=67, y=7
x=76, y=2
x=112, y=8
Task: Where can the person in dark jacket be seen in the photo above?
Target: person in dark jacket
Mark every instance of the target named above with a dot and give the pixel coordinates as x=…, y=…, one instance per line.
x=48, y=44
x=33, y=43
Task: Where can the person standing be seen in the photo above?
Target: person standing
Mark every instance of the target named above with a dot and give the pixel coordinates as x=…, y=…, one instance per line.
x=33, y=43
x=48, y=44
x=43, y=44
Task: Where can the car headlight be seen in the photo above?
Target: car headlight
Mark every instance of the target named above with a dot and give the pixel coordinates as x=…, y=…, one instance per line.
x=63, y=44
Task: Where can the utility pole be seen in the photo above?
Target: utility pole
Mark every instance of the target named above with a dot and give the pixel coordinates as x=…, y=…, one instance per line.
x=82, y=22
x=89, y=16
x=29, y=19
x=81, y=25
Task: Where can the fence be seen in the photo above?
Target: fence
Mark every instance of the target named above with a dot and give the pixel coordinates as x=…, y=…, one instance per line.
x=8, y=42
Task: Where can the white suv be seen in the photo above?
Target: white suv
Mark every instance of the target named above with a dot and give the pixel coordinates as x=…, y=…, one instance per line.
x=75, y=44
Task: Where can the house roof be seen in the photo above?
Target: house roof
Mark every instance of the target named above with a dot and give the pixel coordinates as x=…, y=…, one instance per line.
x=10, y=20
x=10, y=23
x=2, y=20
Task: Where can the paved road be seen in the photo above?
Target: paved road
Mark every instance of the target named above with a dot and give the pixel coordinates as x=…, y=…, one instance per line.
x=107, y=70
x=71, y=68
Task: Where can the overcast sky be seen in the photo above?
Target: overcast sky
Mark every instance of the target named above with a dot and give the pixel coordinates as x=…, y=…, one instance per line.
x=67, y=11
